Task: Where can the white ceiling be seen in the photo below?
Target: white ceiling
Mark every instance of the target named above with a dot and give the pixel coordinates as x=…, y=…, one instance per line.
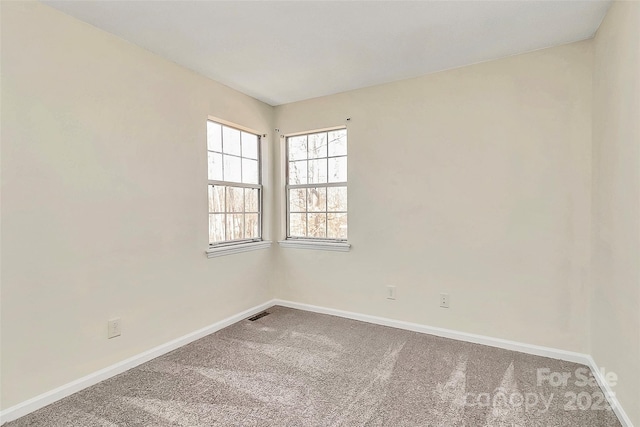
x=285, y=51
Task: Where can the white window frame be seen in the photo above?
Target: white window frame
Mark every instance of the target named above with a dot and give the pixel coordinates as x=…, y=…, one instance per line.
x=228, y=247
x=318, y=243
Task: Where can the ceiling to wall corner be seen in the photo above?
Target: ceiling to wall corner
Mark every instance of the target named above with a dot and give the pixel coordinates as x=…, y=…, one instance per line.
x=286, y=51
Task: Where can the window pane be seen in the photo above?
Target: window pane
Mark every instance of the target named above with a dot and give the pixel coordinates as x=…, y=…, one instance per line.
x=297, y=147
x=233, y=157
x=298, y=172
x=249, y=145
x=338, y=143
x=216, y=198
x=251, y=200
x=317, y=199
x=235, y=199
x=252, y=226
x=297, y=200
x=317, y=145
x=230, y=141
x=235, y=226
x=337, y=199
x=215, y=166
x=298, y=225
x=317, y=225
x=249, y=171
x=337, y=226
x=214, y=136
x=232, y=168
x=216, y=228
x=338, y=169
x=318, y=171
x=316, y=160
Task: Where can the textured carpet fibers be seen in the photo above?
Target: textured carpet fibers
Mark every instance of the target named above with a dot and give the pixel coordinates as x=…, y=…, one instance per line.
x=295, y=368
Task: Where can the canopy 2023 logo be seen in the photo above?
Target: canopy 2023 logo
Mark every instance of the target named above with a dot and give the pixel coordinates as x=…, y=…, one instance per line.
x=584, y=400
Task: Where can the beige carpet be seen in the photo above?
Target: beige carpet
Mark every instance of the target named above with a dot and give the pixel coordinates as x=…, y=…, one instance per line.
x=294, y=368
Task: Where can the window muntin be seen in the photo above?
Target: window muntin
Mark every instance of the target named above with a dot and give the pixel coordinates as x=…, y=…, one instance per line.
x=235, y=190
x=317, y=186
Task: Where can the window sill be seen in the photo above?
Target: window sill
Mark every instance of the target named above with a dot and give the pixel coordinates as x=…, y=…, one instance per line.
x=235, y=249
x=321, y=246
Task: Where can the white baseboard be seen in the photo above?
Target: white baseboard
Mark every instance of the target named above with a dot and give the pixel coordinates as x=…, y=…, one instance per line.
x=553, y=353
x=49, y=397
x=536, y=350
x=609, y=394
x=54, y=395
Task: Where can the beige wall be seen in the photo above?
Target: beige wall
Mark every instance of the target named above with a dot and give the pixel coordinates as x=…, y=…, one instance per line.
x=104, y=209
x=475, y=182
x=616, y=201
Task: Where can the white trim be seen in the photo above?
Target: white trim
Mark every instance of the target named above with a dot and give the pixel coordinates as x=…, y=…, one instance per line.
x=33, y=404
x=49, y=397
x=569, y=356
x=310, y=132
x=235, y=249
x=537, y=350
x=320, y=245
x=236, y=126
x=609, y=394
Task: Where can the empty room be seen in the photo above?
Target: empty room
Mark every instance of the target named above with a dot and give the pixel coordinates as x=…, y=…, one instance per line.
x=320, y=213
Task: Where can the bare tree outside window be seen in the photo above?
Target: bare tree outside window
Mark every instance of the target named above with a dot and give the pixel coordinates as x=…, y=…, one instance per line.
x=317, y=186
x=235, y=193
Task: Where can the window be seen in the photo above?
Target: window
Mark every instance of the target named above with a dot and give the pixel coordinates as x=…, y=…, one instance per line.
x=317, y=186
x=235, y=190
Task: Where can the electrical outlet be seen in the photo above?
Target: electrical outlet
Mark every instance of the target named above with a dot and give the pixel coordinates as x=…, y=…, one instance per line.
x=444, y=300
x=391, y=292
x=113, y=328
